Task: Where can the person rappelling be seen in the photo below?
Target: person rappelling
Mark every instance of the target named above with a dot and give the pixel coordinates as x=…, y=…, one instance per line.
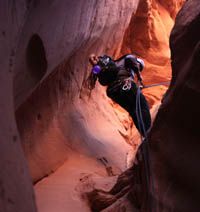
x=119, y=76
x=124, y=83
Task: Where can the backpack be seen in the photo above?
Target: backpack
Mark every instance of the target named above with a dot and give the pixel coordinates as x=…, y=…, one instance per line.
x=108, y=70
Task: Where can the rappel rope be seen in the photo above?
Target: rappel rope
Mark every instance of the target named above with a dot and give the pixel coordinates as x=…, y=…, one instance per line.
x=156, y=84
x=145, y=152
x=145, y=147
x=145, y=143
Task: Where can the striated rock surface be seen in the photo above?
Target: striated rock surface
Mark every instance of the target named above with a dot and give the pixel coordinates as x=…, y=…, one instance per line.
x=148, y=37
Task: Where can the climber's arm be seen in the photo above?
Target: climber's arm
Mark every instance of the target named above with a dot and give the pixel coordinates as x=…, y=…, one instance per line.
x=91, y=80
x=132, y=64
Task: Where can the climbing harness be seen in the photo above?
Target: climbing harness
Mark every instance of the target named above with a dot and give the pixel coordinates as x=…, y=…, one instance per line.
x=145, y=153
x=127, y=85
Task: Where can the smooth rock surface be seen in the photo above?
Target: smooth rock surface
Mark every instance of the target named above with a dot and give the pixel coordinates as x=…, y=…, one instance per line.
x=16, y=191
x=175, y=135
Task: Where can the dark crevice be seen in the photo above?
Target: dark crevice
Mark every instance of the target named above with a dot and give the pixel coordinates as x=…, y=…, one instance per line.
x=36, y=57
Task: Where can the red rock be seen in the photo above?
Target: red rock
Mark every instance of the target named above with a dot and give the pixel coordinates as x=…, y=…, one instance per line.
x=148, y=37
x=63, y=128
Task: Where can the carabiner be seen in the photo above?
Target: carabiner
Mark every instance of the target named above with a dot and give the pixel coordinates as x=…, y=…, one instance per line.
x=126, y=86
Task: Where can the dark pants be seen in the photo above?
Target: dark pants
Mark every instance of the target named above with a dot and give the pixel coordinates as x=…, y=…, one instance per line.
x=127, y=100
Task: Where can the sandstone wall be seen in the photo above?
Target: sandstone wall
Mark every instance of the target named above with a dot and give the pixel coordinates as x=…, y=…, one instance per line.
x=175, y=135
x=57, y=31
x=59, y=115
x=37, y=38
x=16, y=192
x=148, y=37
x=45, y=61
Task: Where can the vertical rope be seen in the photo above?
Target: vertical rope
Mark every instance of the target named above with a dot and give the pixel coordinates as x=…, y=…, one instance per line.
x=145, y=151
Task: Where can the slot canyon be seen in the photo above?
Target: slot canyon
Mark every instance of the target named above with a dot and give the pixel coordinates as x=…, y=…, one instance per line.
x=65, y=148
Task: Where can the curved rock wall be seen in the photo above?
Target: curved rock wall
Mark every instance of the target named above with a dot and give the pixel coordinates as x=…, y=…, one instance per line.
x=175, y=135
x=60, y=123
x=64, y=30
x=38, y=37
x=148, y=37
x=59, y=115
x=16, y=192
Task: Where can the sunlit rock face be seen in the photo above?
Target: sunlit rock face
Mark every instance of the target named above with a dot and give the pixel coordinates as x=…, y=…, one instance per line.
x=61, y=116
x=175, y=135
x=148, y=37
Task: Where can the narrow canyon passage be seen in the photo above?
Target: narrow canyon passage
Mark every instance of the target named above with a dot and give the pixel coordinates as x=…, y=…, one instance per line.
x=102, y=139
x=78, y=146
